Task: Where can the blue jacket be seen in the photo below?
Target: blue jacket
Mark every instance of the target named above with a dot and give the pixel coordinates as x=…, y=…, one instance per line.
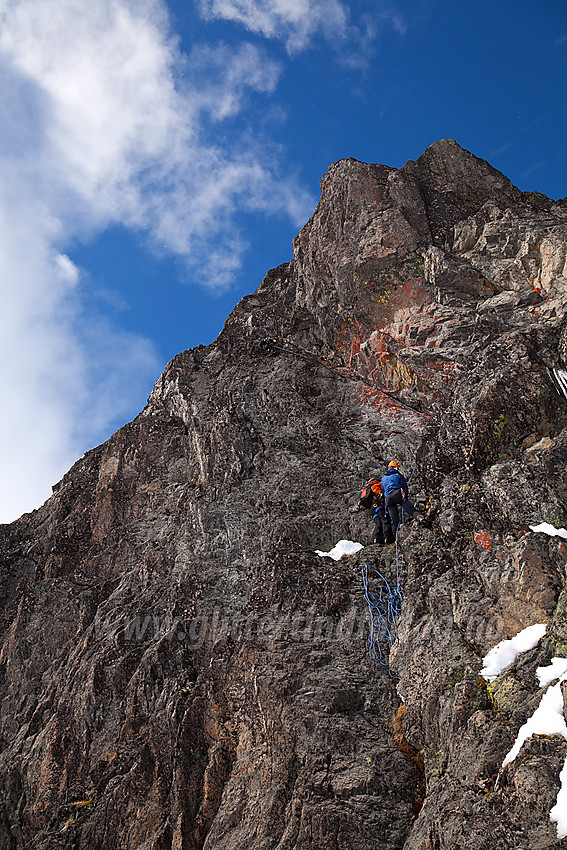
x=394, y=480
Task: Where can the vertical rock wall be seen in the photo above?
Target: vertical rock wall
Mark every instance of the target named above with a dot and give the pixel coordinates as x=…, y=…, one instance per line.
x=179, y=668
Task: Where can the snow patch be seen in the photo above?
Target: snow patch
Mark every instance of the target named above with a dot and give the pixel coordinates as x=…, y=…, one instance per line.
x=343, y=547
x=559, y=811
x=548, y=719
x=557, y=668
x=546, y=528
x=505, y=653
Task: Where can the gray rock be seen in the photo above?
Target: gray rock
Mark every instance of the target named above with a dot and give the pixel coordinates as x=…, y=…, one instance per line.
x=181, y=670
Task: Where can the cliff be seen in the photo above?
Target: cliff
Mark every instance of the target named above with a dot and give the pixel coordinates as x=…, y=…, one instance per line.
x=180, y=669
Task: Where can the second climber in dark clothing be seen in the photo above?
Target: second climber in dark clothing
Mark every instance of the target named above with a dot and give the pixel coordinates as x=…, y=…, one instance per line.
x=396, y=495
x=383, y=534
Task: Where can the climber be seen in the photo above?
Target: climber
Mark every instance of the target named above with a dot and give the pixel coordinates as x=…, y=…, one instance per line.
x=396, y=495
x=383, y=533
x=372, y=497
x=268, y=344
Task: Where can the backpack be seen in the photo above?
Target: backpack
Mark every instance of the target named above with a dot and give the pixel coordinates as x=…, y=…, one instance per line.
x=370, y=492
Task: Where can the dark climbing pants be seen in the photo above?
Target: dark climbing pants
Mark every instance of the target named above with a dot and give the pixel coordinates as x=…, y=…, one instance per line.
x=393, y=502
x=382, y=527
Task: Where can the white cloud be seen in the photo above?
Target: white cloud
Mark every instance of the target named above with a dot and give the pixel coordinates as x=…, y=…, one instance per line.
x=299, y=22
x=224, y=74
x=295, y=21
x=117, y=132
x=53, y=404
x=103, y=123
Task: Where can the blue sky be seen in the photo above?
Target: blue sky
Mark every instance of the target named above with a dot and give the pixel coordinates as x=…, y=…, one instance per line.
x=156, y=159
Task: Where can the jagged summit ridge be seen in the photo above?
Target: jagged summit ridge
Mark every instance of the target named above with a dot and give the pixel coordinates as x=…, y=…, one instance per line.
x=180, y=669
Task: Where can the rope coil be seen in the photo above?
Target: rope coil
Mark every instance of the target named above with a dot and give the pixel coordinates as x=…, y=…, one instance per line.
x=385, y=607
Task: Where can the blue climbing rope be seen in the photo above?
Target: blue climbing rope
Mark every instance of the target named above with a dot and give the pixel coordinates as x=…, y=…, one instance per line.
x=384, y=602
x=289, y=351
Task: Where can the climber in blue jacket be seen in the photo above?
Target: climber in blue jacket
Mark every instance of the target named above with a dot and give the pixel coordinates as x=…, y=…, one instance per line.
x=396, y=495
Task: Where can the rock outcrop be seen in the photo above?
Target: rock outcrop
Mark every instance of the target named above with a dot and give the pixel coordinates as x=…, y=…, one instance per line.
x=180, y=669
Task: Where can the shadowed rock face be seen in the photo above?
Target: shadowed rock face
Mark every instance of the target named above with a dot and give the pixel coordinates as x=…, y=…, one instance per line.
x=179, y=668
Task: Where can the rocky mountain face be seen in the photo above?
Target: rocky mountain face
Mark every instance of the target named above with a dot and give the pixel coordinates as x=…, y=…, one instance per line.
x=180, y=669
